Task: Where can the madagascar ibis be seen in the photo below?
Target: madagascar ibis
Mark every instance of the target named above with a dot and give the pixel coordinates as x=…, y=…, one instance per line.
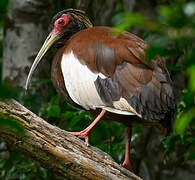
x=107, y=74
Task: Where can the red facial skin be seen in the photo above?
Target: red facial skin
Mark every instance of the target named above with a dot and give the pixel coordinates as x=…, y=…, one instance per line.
x=60, y=23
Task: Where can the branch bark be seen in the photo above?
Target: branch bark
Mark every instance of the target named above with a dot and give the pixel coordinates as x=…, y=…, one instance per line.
x=65, y=155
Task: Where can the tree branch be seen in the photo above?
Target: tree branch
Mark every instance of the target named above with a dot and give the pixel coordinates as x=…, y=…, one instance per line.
x=65, y=155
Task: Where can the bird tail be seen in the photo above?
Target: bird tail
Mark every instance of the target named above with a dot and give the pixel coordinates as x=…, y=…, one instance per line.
x=166, y=125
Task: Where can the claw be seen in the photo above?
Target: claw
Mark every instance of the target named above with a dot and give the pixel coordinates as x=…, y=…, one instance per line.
x=82, y=134
x=126, y=164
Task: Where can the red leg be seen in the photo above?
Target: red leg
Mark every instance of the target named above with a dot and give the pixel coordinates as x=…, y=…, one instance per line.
x=85, y=133
x=126, y=164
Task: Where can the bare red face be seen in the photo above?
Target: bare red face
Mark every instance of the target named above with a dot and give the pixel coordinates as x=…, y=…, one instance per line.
x=61, y=23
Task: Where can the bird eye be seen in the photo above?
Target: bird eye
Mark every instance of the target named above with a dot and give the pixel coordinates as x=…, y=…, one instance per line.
x=60, y=21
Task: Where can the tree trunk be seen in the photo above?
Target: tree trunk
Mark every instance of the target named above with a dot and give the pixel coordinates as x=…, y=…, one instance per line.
x=25, y=29
x=65, y=155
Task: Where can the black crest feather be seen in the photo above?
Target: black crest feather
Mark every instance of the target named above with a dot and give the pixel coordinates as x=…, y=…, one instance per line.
x=77, y=14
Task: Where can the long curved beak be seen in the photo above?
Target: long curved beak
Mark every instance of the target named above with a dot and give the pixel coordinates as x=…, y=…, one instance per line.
x=52, y=37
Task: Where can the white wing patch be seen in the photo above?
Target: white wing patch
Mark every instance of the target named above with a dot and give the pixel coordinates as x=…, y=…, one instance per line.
x=79, y=81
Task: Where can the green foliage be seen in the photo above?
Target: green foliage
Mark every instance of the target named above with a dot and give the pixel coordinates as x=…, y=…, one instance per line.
x=184, y=120
x=3, y=6
x=16, y=166
x=171, y=34
x=191, y=156
x=125, y=21
x=6, y=91
x=8, y=123
x=180, y=146
x=191, y=75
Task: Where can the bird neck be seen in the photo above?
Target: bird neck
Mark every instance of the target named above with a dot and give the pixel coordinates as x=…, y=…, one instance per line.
x=80, y=25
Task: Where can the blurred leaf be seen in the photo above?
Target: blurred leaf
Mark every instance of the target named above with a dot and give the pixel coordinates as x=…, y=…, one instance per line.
x=67, y=115
x=6, y=91
x=17, y=166
x=10, y=124
x=191, y=156
x=153, y=51
x=76, y=119
x=189, y=8
x=169, y=143
x=191, y=73
x=188, y=139
x=41, y=81
x=3, y=6
x=173, y=68
x=189, y=58
x=125, y=21
x=183, y=121
x=173, y=15
x=54, y=111
x=187, y=99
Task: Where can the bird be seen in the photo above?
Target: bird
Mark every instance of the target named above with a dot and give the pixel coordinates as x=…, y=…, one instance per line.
x=108, y=75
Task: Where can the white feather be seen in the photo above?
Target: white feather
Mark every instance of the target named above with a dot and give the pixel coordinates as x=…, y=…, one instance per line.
x=79, y=81
x=124, y=106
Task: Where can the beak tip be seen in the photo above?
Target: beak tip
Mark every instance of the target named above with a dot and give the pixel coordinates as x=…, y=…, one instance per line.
x=26, y=86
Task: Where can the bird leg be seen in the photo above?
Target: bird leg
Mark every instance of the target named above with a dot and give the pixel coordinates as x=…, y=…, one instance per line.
x=128, y=133
x=85, y=133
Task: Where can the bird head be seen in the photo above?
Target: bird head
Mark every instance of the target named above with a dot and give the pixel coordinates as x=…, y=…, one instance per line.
x=63, y=25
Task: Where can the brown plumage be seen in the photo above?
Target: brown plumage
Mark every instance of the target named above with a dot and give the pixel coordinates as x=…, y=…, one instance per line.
x=146, y=86
x=97, y=69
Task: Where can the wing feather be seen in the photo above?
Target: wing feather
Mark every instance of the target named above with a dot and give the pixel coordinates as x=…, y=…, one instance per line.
x=145, y=86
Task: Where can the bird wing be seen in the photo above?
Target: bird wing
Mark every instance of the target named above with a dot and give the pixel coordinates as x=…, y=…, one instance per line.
x=128, y=82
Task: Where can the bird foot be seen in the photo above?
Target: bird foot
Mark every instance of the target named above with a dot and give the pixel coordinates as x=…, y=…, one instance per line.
x=126, y=165
x=82, y=134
